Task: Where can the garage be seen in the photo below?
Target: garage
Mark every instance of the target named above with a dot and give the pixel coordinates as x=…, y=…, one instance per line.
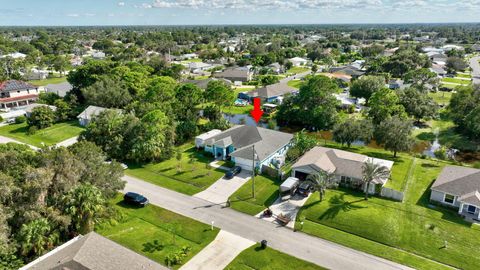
x=244, y=163
x=301, y=175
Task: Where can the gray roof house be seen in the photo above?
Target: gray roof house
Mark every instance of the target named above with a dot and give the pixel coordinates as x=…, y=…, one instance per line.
x=458, y=187
x=347, y=70
x=86, y=116
x=271, y=92
x=235, y=74
x=92, y=252
x=346, y=166
x=60, y=89
x=238, y=143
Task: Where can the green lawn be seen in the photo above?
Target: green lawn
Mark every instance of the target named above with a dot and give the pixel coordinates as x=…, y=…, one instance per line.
x=201, y=77
x=441, y=97
x=48, y=81
x=376, y=225
x=266, y=192
x=268, y=259
x=455, y=80
x=296, y=70
x=295, y=83
x=238, y=109
x=49, y=136
x=155, y=232
x=463, y=75
x=189, y=176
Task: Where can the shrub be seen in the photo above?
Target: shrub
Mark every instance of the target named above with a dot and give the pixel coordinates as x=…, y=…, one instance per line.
x=32, y=130
x=20, y=119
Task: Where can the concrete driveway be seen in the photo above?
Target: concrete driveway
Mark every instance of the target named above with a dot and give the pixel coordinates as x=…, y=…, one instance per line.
x=68, y=142
x=287, y=208
x=222, y=189
x=219, y=253
x=8, y=140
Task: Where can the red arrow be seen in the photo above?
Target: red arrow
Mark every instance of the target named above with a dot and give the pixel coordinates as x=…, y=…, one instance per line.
x=256, y=112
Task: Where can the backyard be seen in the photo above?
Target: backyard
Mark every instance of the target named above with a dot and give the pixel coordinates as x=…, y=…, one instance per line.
x=52, y=80
x=49, y=136
x=393, y=230
x=190, y=175
x=268, y=259
x=296, y=70
x=156, y=233
x=295, y=83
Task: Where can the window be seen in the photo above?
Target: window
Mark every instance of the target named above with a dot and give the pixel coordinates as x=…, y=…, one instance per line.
x=449, y=198
x=471, y=209
x=345, y=180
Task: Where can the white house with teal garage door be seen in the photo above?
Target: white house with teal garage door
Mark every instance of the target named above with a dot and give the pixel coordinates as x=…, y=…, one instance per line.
x=238, y=143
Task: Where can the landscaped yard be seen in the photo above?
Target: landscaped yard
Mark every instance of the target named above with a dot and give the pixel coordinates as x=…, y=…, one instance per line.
x=49, y=136
x=463, y=75
x=48, y=81
x=377, y=225
x=268, y=259
x=296, y=70
x=190, y=175
x=238, y=109
x=266, y=192
x=295, y=83
x=456, y=80
x=156, y=233
x=441, y=97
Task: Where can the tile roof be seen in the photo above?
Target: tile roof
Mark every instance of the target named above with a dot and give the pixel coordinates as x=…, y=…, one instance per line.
x=19, y=98
x=14, y=85
x=456, y=180
x=92, y=252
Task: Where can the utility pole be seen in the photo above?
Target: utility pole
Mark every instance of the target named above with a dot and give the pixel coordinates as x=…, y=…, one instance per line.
x=253, y=171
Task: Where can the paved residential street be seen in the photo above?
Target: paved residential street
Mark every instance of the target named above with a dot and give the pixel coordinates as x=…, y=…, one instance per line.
x=475, y=65
x=303, y=246
x=219, y=253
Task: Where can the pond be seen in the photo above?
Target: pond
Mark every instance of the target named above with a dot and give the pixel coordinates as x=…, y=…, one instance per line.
x=244, y=119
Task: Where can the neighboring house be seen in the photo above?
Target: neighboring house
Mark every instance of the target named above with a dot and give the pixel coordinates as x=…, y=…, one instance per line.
x=458, y=187
x=197, y=67
x=15, y=55
x=92, y=252
x=269, y=93
x=348, y=70
x=204, y=83
x=15, y=93
x=200, y=139
x=439, y=70
x=36, y=74
x=61, y=89
x=396, y=84
x=98, y=55
x=10, y=116
x=298, y=61
x=86, y=116
x=437, y=57
x=237, y=143
x=29, y=108
x=476, y=47
x=239, y=74
x=346, y=166
x=188, y=56
x=276, y=68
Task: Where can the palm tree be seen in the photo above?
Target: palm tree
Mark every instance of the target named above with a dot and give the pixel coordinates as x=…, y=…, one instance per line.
x=36, y=237
x=83, y=204
x=321, y=181
x=372, y=171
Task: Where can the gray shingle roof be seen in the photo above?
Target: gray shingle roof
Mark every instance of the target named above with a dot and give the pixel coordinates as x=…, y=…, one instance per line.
x=91, y=111
x=93, y=252
x=274, y=90
x=243, y=137
x=456, y=180
x=60, y=89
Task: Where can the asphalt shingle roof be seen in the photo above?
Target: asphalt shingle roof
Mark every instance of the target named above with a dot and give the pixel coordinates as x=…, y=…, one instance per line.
x=94, y=252
x=14, y=85
x=456, y=180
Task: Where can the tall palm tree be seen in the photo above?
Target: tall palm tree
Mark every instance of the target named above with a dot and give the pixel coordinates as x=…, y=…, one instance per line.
x=36, y=237
x=83, y=204
x=321, y=181
x=372, y=171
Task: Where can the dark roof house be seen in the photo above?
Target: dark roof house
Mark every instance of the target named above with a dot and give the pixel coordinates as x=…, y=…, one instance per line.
x=235, y=74
x=92, y=252
x=269, y=92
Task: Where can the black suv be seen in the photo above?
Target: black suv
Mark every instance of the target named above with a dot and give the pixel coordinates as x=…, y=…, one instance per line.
x=135, y=199
x=305, y=188
x=234, y=171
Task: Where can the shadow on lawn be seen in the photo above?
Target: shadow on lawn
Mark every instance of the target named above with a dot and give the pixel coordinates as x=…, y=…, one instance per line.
x=337, y=204
x=152, y=246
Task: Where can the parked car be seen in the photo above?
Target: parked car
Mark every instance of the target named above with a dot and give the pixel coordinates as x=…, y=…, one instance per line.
x=305, y=188
x=234, y=171
x=135, y=199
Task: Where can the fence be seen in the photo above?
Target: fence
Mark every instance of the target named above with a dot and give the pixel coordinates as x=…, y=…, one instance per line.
x=392, y=194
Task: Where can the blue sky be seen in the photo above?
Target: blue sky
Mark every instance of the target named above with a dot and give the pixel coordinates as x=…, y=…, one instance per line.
x=173, y=12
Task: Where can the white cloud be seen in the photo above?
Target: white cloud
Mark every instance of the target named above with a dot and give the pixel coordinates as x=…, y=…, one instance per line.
x=73, y=15
x=121, y=4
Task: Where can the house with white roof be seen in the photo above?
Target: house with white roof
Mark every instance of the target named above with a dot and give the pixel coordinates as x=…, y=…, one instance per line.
x=298, y=61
